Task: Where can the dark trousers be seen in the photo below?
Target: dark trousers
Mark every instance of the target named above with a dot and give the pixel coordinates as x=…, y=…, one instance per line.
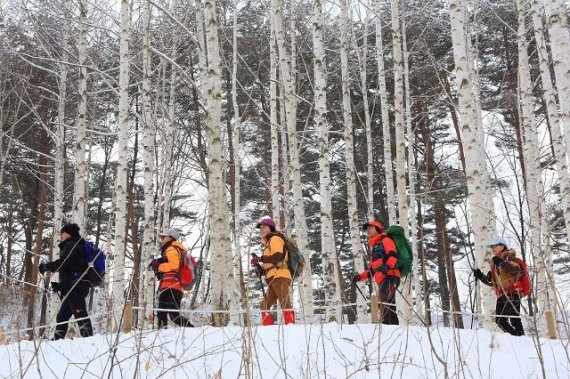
x=73, y=304
x=170, y=299
x=509, y=306
x=387, y=301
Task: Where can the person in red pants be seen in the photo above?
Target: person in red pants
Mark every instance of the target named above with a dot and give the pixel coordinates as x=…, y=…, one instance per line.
x=277, y=274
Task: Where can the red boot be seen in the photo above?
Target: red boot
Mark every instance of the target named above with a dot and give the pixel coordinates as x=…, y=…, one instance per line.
x=289, y=317
x=266, y=318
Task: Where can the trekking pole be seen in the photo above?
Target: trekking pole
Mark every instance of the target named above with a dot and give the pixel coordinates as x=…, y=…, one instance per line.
x=359, y=290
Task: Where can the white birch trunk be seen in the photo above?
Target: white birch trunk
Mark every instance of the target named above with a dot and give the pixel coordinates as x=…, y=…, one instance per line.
x=59, y=168
x=533, y=178
x=328, y=250
x=472, y=133
x=399, y=115
x=351, y=187
x=558, y=140
x=388, y=172
x=220, y=246
x=288, y=81
x=557, y=23
x=118, y=273
x=363, y=65
x=273, y=112
x=80, y=179
x=149, y=131
x=412, y=281
x=238, y=272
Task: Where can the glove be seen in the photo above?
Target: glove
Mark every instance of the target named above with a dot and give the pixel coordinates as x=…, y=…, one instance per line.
x=154, y=265
x=46, y=266
x=254, y=260
x=498, y=261
x=54, y=286
x=356, y=278
x=478, y=274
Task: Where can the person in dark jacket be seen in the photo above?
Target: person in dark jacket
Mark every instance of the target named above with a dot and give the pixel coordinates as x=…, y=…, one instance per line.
x=71, y=265
x=504, y=277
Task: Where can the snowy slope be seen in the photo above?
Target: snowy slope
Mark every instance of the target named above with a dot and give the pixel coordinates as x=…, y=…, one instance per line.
x=295, y=351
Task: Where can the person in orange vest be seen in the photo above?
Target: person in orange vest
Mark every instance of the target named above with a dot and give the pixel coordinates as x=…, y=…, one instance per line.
x=277, y=275
x=506, y=278
x=383, y=268
x=166, y=269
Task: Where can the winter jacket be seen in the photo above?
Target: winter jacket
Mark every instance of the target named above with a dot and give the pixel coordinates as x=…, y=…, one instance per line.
x=506, y=277
x=72, y=263
x=383, y=260
x=274, y=258
x=170, y=265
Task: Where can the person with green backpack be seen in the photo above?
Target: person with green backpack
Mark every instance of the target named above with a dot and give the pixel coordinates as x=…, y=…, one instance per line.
x=384, y=268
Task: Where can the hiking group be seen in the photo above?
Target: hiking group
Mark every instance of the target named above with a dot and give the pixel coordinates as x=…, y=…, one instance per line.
x=81, y=266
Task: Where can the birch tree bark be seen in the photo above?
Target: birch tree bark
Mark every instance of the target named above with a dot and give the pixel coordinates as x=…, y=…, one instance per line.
x=120, y=211
x=59, y=167
x=363, y=65
x=557, y=23
x=273, y=113
x=387, y=140
x=411, y=282
x=288, y=84
x=237, y=185
x=557, y=138
x=80, y=179
x=351, y=188
x=222, y=270
x=149, y=131
x=399, y=115
x=533, y=177
x=478, y=184
x=328, y=250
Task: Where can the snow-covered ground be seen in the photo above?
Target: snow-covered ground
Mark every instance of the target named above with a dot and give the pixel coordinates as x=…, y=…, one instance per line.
x=292, y=351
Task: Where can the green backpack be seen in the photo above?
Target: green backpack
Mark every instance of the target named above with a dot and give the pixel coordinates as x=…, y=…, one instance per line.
x=405, y=256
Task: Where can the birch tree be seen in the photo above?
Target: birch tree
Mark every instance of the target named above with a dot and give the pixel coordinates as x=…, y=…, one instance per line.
x=352, y=203
x=149, y=130
x=557, y=22
x=80, y=179
x=222, y=270
x=273, y=113
x=120, y=210
x=410, y=283
x=477, y=177
x=384, y=107
x=399, y=114
x=59, y=163
x=533, y=177
x=557, y=138
x=328, y=250
x=288, y=85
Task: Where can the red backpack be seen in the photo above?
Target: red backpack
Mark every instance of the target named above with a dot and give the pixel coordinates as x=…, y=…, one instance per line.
x=523, y=284
x=187, y=272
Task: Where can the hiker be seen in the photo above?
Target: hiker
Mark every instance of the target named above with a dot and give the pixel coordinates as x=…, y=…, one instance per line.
x=71, y=265
x=505, y=277
x=166, y=270
x=382, y=267
x=277, y=275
